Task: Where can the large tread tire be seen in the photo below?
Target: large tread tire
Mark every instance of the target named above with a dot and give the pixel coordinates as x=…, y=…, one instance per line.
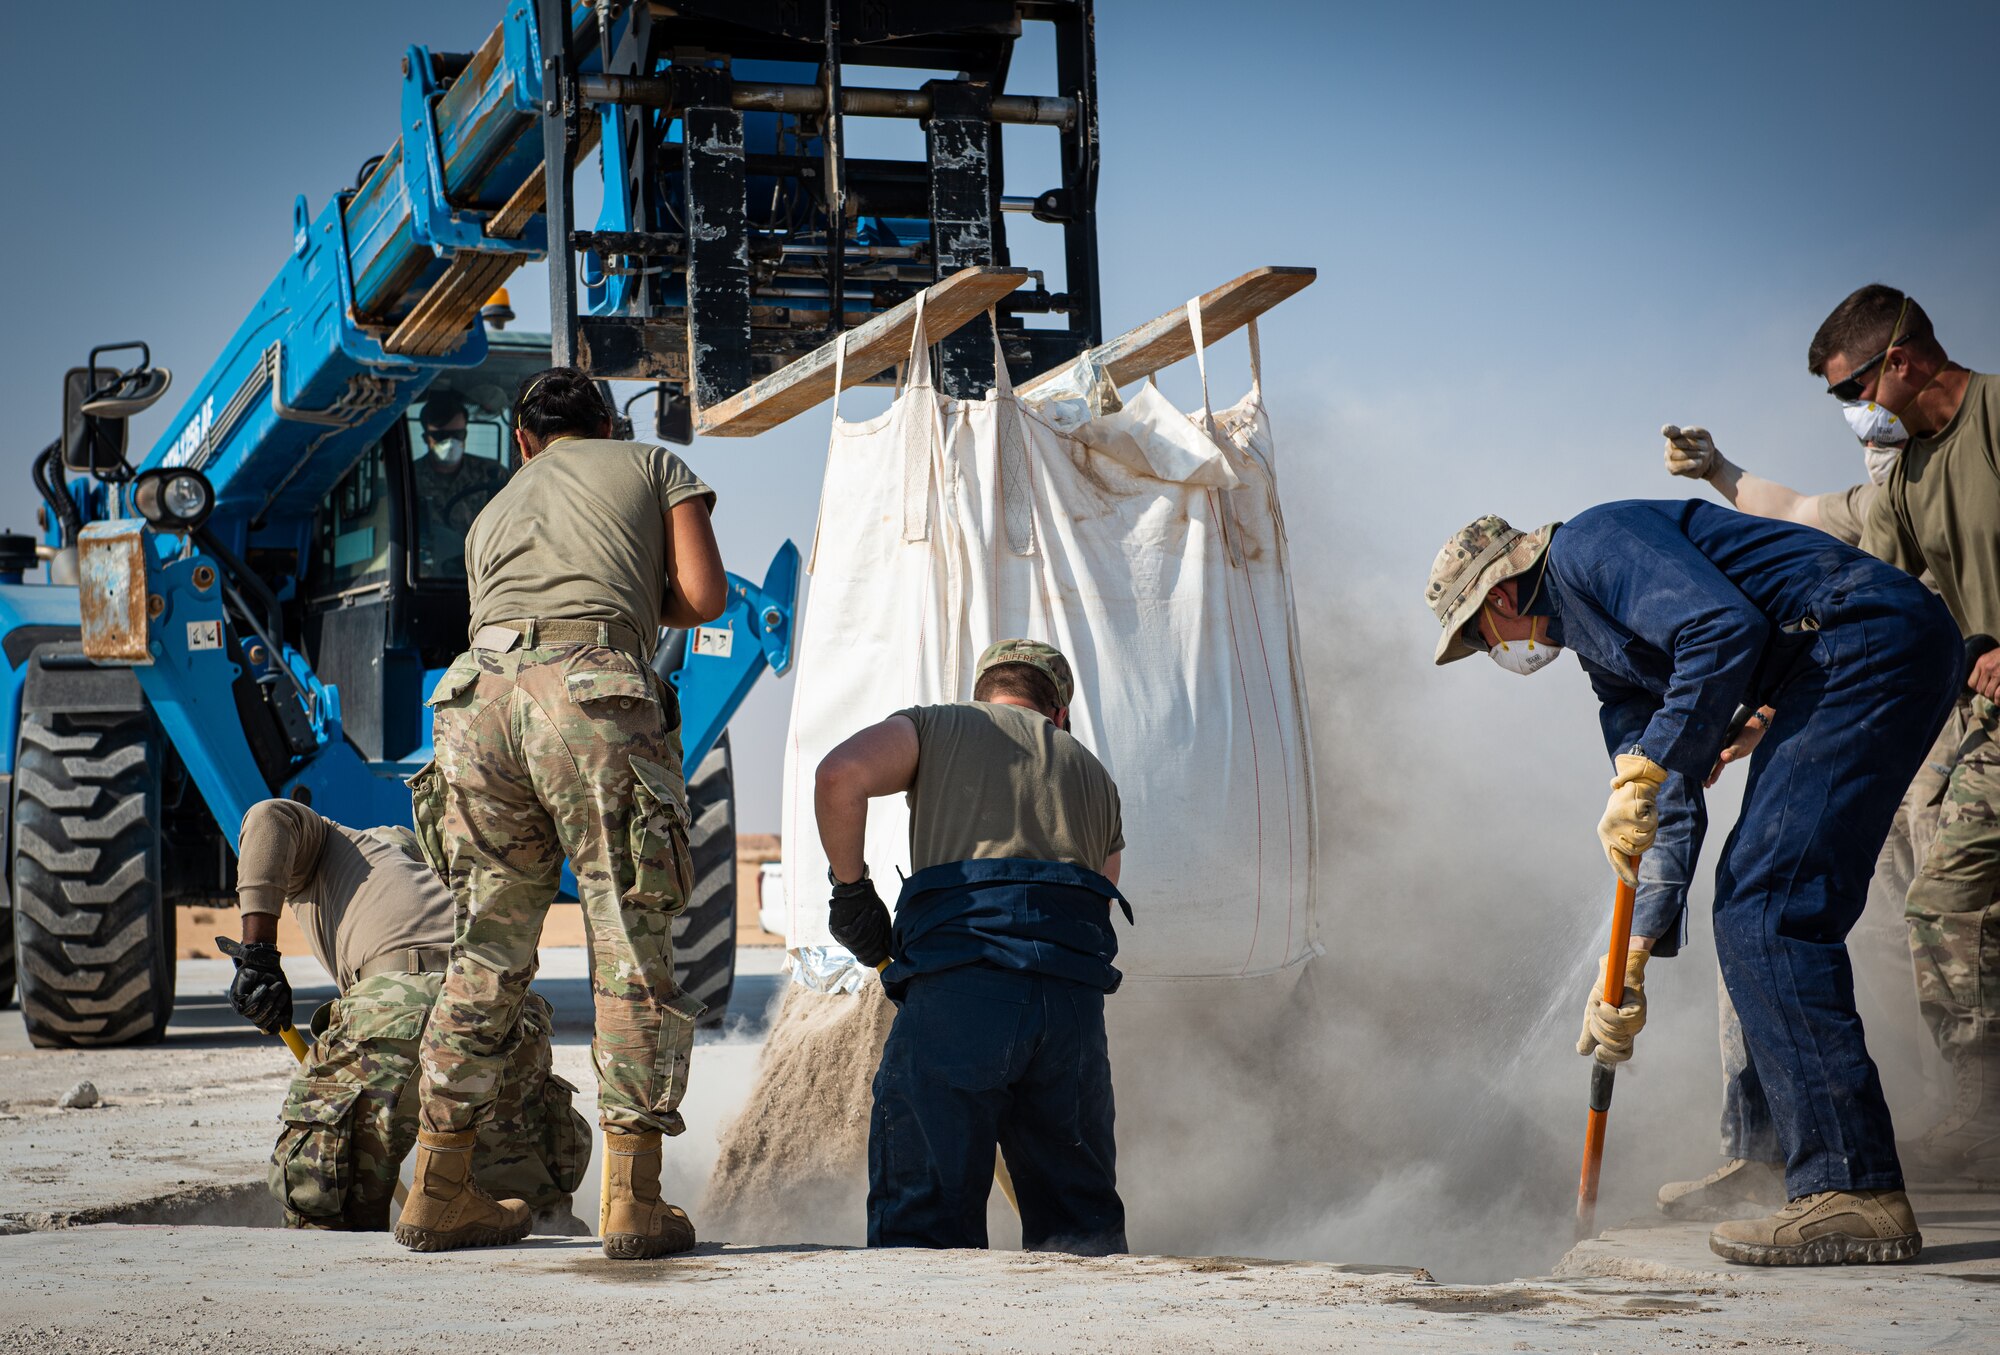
x=6, y=957
x=705, y=932
x=94, y=938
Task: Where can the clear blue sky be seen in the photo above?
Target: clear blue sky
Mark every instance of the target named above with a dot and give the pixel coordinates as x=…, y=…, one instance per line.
x=1541, y=231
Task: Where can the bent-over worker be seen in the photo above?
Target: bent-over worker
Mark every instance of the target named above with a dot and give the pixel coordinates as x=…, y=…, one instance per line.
x=999, y=959
x=1681, y=612
x=556, y=739
x=1884, y=939
x=380, y=920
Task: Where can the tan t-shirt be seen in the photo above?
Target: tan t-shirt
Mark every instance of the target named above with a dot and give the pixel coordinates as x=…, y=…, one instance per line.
x=579, y=534
x=355, y=896
x=1940, y=510
x=1002, y=782
x=1843, y=512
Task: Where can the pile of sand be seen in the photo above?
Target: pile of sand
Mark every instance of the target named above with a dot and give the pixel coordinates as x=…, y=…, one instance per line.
x=793, y=1165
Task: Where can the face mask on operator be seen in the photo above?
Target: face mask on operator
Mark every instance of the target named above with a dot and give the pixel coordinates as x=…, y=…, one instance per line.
x=1523, y=656
x=447, y=448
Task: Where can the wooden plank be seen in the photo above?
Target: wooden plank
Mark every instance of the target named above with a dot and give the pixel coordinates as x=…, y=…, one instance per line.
x=1161, y=343
x=872, y=349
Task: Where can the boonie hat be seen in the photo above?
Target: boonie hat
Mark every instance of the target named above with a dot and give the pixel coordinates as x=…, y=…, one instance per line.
x=1484, y=552
x=1035, y=654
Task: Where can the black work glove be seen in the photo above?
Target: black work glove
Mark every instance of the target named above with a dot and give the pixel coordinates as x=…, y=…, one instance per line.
x=260, y=991
x=861, y=921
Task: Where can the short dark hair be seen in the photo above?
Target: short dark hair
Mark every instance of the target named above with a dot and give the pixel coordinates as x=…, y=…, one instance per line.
x=1861, y=326
x=440, y=407
x=1022, y=680
x=561, y=401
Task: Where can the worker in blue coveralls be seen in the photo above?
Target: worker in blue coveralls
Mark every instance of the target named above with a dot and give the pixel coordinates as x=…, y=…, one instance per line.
x=1683, y=613
x=998, y=961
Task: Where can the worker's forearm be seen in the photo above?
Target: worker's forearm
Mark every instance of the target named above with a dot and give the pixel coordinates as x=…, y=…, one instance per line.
x=260, y=927
x=1762, y=498
x=842, y=811
x=677, y=611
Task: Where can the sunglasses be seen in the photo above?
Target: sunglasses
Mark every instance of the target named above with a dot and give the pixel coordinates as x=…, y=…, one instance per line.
x=1857, y=380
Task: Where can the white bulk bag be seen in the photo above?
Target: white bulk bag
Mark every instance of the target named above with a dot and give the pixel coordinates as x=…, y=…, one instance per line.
x=1148, y=546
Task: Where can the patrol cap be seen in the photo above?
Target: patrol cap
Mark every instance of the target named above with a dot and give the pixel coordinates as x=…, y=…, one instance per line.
x=1484, y=552
x=1035, y=654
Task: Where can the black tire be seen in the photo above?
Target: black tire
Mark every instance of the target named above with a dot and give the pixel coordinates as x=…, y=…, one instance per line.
x=6, y=957
x=705, y=932
x=93, y=935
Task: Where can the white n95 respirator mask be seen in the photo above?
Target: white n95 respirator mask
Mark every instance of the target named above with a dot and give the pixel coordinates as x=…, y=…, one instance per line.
x=1874, y=425
x=1525, y=656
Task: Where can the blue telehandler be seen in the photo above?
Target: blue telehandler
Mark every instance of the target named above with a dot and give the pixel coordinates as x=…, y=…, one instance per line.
x=258, y=604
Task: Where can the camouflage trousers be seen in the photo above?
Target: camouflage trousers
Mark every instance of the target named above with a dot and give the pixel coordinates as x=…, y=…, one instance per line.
x=1954, y=901
x=547, y=752
x=351, y=1115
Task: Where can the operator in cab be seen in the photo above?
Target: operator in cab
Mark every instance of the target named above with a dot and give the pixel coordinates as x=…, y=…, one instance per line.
x=379, y=919
x=555, y=739
x=451, y=487
x=999, y=959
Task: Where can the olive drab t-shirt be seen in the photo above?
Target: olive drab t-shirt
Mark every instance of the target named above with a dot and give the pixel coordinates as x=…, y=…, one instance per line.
x=579, y=534
x=1940, y=510
x=1843, y=512
x=356, y=896
x=1002, y=782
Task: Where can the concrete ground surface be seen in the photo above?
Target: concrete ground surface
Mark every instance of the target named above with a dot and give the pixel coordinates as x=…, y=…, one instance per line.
x=142, y=1225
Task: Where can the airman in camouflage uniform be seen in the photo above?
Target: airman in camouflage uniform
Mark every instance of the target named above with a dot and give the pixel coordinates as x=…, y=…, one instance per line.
x=351, y=1115
x=555, y=738
x=380, y=920
x=1954, y=915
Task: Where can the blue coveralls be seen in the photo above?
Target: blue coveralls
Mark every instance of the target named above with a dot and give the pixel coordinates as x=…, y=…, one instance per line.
x=999, y=973
x=1681, y=610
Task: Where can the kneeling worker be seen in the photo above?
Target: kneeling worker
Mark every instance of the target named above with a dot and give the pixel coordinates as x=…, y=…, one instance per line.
x=999, y=959
x=380, y=920
x=1680, y=613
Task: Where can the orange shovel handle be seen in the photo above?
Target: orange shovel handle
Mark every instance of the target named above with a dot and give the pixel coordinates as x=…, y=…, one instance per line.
x=1601, y=1074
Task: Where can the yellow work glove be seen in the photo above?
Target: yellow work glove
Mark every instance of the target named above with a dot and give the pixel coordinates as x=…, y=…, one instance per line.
x=1608, y=1031
x=1690, y=452
x=1632, y=816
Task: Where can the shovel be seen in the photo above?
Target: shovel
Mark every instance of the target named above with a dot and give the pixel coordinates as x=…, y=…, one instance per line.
x=1601, y=1074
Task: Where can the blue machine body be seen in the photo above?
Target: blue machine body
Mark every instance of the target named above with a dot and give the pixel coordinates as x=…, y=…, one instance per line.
x=327, y=361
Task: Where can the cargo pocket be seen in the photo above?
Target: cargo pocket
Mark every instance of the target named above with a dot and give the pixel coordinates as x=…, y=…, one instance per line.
x=623, y=689
x=427, y=792
x=457, y=679
x=565, y=1135
x=662, y=867
x=670, y=1074
x=312, y=1165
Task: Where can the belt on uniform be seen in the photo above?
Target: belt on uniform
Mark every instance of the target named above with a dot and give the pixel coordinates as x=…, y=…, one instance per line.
x=503, y=636
x=415, y=960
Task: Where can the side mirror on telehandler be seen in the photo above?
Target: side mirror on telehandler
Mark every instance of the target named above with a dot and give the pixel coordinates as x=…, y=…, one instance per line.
x=98, y=400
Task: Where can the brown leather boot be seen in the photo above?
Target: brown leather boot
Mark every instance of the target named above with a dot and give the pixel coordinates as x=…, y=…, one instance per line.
x=633, y=1220
x=1830, y=1228
x=1732, y=1190
x=446, y=1209
x=1965, y=1144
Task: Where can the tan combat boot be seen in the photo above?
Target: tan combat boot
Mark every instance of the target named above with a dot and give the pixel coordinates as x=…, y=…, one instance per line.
x=1830, y=1228
x=446, y=1208
x=1965, y=1144
x=632, y=1219
x=1724, y=1192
